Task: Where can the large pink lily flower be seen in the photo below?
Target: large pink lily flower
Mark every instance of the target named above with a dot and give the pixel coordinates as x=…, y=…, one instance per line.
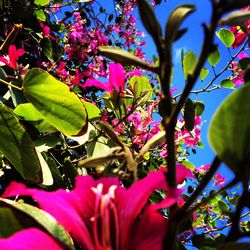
x=13, y=55
x=103, y=215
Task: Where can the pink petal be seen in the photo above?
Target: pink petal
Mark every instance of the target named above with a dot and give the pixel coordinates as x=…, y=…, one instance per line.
x=4, y=60
x=149, y=231
x=98, y=84
x=136, y=72
x=29, y=239
x=132, y=201
x=62, y=205
x=116, y=76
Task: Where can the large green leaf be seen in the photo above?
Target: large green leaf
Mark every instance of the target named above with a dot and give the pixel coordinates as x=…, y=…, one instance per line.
x=92, y=110
x=16, y=216
x=18, y=147
x=54, y=100
x=189, y=63
x=226, y=36
x=28, y=112
x=229, y=132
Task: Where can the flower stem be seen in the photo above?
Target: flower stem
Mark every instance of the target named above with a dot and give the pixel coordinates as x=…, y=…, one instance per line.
x=11, y=85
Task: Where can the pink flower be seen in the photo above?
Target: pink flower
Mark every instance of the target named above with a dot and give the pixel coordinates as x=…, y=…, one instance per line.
x=102, y=214
x=116, y=79
x=13, y=55
x=29, y=239
x=219, y=179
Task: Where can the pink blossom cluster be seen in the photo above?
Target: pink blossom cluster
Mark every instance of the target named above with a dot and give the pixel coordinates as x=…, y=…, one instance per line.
x=241, y=33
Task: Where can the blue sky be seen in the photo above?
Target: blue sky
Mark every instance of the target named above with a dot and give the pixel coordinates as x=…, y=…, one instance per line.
x=192, y=40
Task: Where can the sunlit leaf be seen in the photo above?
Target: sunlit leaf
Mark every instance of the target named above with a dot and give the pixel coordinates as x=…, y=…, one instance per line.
x=40, y=15
x=28, y=112
x=226, y=83
x=42, y=2
x=21, y=215
x=199, y=107
x=140, y=85
x=203, y=74
x=92, y=110
x=214, y=57
x=229, y=132
x=226, y=36
x=189, y=63
x=54, y=100
x=17, y=146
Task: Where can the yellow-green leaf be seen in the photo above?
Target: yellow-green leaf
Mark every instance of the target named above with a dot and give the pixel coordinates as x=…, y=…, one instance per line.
x=54, y=100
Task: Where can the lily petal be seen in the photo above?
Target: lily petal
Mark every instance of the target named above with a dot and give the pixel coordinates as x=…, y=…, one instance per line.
x=29, y=239
x=116, y=76
x=62, y=205
x=98, y=84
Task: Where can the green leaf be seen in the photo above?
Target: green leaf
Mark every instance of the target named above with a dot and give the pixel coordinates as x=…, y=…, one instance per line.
x=203, y=74
x=92, y=110
x=28, y=112
x=235, y=246
x=47, y=48
x=124, y=57
x=243, y=63
x=150, y=21
x=175, y=20
x=40, y=15
x=189, y=114
x=21, y=215
x=226, y=83
x=236, y=18
x=229, y=132
x=226, y=36
x=199, y=107
x=17, y=146
x=54, y=100
x=223, y=206
x=188, y=164
x=41, y=2
x=140, y=85
x=214, y=57
x=189, y=63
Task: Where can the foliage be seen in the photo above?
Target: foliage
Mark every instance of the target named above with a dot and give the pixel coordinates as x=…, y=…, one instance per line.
x=96, y=154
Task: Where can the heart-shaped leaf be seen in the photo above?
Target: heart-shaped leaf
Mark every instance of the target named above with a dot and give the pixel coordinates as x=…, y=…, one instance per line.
x=226, y=36
x=17, y=146
x=54, y=100
x=214, y=57
x=189, y=63
x=229, y=132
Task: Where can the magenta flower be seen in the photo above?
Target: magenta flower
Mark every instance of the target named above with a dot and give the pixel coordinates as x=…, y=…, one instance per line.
x=13, y=55
x=102, y=214
x=116, y=79
x=29, y=239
